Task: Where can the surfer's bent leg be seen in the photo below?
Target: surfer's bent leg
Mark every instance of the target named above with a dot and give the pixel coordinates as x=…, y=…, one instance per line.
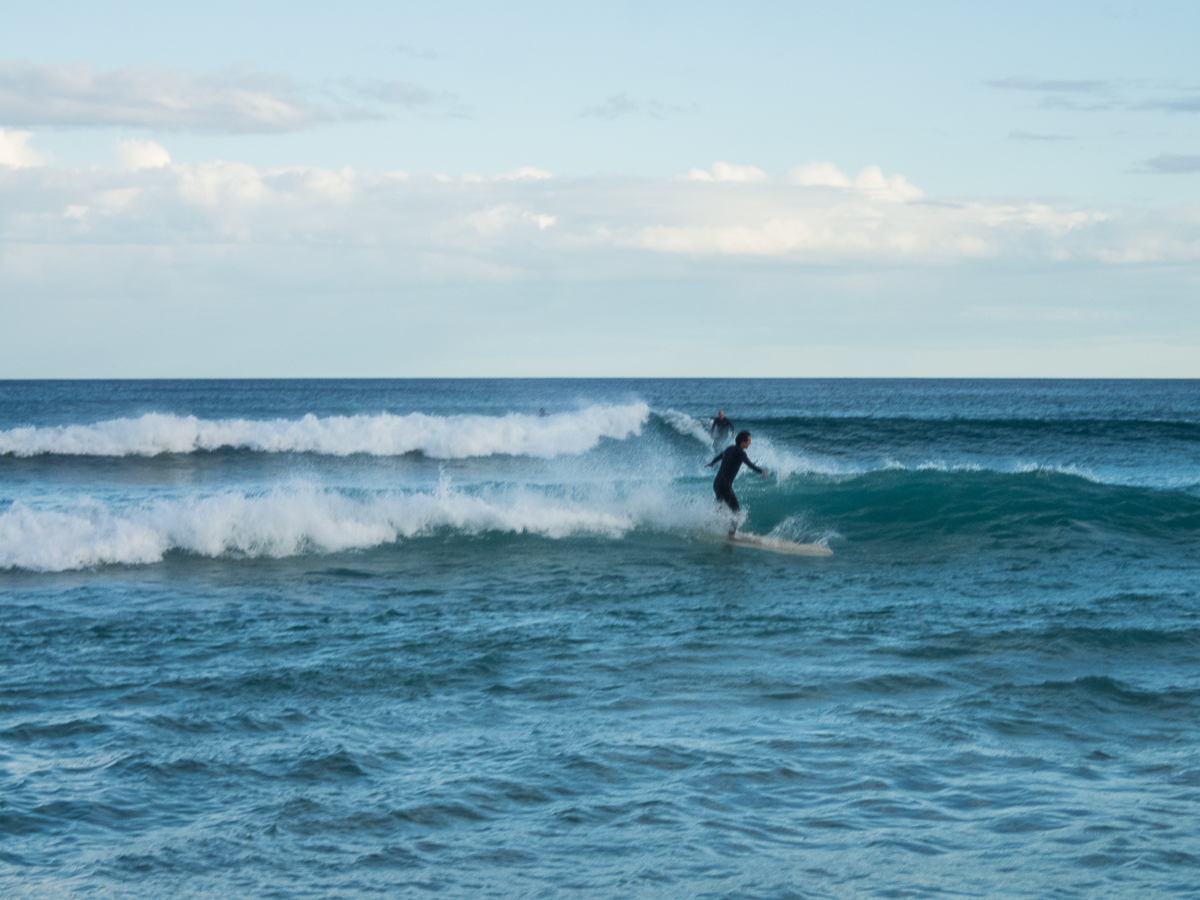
x=726, y=495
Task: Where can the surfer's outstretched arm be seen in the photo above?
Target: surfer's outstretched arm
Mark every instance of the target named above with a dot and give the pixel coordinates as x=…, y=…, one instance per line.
x=714, y=459
x=763, y=472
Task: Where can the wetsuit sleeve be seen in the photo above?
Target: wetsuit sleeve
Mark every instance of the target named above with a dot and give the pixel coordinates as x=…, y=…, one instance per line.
x=746, y=460
x=715, y=458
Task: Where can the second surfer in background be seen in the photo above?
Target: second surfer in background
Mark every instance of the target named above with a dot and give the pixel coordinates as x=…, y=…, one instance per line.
x=731, y=459
x=720, y=430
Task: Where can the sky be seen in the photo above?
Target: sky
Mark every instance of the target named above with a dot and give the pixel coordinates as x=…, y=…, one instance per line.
x=545, y=189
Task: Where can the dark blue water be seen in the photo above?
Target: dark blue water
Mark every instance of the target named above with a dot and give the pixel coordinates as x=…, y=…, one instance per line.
x=352, y=638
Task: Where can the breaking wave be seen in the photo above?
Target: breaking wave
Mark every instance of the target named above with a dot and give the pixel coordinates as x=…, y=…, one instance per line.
x=383, y=434
x=307, y=520
x=885, y=508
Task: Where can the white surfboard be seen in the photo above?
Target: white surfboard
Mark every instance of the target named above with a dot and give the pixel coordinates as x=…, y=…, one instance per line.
x=777, y=545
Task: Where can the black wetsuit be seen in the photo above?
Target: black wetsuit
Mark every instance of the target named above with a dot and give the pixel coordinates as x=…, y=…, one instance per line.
x=731, y=463
x=721, y=430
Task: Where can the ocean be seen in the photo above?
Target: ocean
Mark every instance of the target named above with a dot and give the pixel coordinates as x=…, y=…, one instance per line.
x=334, y=639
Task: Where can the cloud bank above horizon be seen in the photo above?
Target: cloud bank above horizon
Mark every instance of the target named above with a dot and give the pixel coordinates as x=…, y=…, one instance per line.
x=525, y=222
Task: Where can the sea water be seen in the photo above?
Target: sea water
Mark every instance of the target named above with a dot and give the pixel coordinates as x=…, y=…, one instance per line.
x=325, y=639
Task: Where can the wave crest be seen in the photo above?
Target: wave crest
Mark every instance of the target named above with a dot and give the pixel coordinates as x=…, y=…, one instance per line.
x=383, y=434
x=303, y=520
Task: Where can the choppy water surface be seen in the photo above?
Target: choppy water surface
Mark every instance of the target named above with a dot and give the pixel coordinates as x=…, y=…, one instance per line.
x=342, y=639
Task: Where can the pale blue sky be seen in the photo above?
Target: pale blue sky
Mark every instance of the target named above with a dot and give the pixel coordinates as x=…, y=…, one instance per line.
x=1054, y=149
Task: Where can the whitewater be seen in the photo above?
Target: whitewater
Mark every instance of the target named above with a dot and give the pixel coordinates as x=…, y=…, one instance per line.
x=483, y=637
x=453, y=437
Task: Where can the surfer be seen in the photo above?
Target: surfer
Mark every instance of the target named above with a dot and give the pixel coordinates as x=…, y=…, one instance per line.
x=731, y=459
x=720, y=430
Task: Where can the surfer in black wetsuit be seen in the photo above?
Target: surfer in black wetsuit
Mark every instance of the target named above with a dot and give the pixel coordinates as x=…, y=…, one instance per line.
x=721, y=429
x=731, y=463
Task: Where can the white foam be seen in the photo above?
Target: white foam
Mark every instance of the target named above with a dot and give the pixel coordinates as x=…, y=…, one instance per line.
x=687, y=425
x=930, y=465
x=764, y=452
x=783, y=464
x=1061, y=469
x=800, y=530
x=384, y=434
x=1013, y=468
x=302, y=519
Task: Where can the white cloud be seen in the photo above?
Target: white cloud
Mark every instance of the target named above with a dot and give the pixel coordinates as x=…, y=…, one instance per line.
x=14, y=150
x=818, y=174
x=234, y=100
x=524, y=173
x=894, y=188
x=867, y=225
x=226, y=187
x=135, y=155
x=526, y=222
x=498, y=218
x=336, y=271
x=723, y=171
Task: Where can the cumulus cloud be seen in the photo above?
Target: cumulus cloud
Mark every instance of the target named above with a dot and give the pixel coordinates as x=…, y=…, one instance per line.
x=816, y=174
x=819, y=173
x=14, y=149
x=525, y=173
x=723, y=171
x=499, y=218
x=135, y=155
x=823, y=174
x=893, y=187
x=526, y=223
x=857, y=225
x=236, y=100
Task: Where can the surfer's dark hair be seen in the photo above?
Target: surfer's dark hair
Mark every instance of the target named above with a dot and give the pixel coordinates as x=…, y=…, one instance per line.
x=742, y=435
